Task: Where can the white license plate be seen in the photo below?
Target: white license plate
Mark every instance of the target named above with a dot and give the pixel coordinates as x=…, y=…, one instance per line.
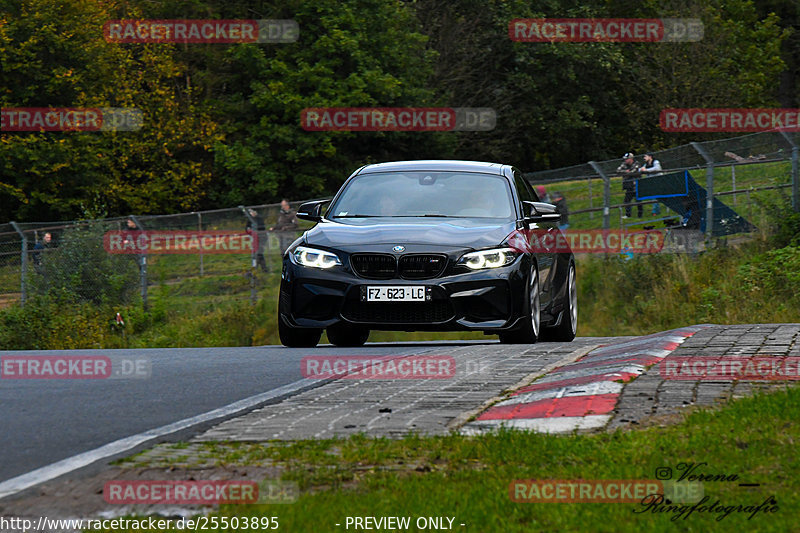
x=401, y=293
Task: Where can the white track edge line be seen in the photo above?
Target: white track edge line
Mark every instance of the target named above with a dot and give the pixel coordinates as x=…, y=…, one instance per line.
x=64, y=466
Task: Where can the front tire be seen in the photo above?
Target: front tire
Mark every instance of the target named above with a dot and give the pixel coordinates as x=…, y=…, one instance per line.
x=566, y=330
x=298, y=337
x=347, y=336
x=528, y=332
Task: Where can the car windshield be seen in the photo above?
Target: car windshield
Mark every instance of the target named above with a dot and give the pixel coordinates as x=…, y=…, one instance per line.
x=420, y=194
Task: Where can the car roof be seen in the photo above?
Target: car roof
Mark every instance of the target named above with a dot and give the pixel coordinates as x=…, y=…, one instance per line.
x=440, y=165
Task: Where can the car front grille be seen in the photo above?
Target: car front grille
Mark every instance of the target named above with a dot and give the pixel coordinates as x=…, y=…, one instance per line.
x=398, y=312
x=411, y=266
x=421, y=266
x=374, y=266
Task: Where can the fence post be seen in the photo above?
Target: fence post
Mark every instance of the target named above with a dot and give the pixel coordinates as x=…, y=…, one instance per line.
x=709, y=190
x=142, y=265
x=23, y=263
x=795, y=178
x=200, y=228
x=253, y=256
x=606, y=193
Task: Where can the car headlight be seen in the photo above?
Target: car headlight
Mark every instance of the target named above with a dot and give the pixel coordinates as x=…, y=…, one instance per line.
x=311, y=257
x=494, y=258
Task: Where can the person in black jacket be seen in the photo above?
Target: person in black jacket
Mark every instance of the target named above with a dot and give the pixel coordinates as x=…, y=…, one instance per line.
x=558, y=200
x=629, y=170
x=286, y=226
x=38, y=248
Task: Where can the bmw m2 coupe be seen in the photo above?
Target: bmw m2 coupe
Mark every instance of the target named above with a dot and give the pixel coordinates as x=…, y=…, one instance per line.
x=428, y=245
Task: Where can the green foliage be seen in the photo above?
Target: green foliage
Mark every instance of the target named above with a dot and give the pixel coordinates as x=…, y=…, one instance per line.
x=350, y=54
x=53, y=53
x=79, y=269
x=47, y=324
x=749, y=284
x=26, y=328
x=222, y=121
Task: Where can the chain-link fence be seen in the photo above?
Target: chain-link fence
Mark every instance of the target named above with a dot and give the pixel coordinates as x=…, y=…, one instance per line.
x=709, y=186
x=78, y=258
x=716, y=187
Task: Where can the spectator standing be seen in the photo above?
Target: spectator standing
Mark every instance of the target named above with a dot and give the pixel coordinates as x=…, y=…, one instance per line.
x=558, y=200
x=38, y=248
x=652, y=166
x=629, y=169
x=256, y=227
x=132, y=232
x=541, y=192
x=286, y=225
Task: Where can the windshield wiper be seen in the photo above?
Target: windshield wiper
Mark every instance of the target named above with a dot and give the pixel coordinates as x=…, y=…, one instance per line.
x=429, y=215
x=355, y=216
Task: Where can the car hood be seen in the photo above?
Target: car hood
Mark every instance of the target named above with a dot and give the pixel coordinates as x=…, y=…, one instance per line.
x=445, y=232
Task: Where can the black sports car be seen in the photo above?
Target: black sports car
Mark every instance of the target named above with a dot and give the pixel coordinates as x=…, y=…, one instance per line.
x=428, y=245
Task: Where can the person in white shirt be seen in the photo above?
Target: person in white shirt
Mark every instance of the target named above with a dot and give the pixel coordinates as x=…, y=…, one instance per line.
x=651, y=166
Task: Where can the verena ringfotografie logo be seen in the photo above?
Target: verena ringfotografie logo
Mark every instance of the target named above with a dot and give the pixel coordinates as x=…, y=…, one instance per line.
x=588, y=241
x=178, y=242
x=602, y=491
x=398, y=119
x=70, y=119
x=73, y=367
x=729, y=120
x=378, y=367
x=605, y=30
x=731, y=368
x=206, y=492
x=201, y=31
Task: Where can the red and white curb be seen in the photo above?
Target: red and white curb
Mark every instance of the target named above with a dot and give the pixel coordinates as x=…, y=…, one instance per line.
x=582, y=394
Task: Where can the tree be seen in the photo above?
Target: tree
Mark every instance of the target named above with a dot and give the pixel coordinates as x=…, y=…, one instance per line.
x=366, y=53
x=53, y=54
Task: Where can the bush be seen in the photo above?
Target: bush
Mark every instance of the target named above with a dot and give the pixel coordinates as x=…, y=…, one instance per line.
x=80, y=270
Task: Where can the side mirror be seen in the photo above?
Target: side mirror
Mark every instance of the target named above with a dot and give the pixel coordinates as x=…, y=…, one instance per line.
x=311, y=210
x=540, y=212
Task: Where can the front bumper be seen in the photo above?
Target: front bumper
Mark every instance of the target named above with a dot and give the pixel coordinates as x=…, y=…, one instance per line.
x=490, y=300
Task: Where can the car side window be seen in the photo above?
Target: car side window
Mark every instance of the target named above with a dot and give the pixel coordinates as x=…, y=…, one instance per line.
x=524, y=191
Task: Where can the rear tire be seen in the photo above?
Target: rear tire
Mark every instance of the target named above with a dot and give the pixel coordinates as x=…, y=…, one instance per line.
x=347, y=336
x=298, y=337
x=566, y=330
x=528, y=332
